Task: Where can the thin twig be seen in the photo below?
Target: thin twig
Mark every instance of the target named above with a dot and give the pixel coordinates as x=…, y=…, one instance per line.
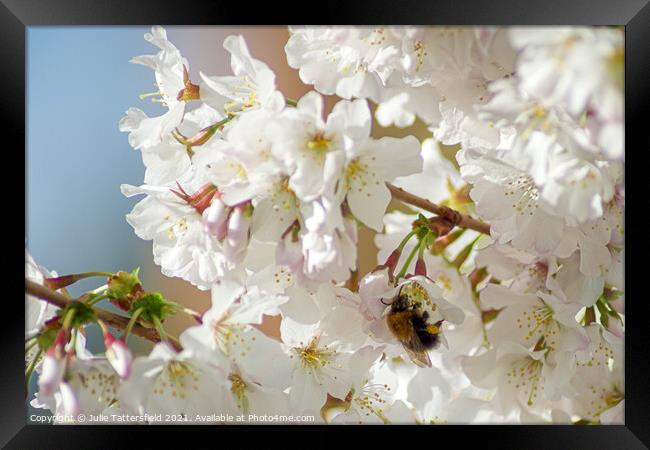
x=459, y=219
x=111, y=319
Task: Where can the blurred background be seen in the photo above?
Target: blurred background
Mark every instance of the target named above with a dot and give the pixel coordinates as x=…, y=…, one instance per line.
x=79, y=84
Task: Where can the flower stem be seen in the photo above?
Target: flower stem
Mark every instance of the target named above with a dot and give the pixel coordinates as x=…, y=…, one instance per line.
x=67, y=321
x=408, y=261
x=66, y=280
x=132, y=321
x=95, y=300
x=114, y=320
x=159, y=328
x=401, y=245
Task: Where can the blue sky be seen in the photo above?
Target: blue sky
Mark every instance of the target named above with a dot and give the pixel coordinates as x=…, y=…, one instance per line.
x=79, y=85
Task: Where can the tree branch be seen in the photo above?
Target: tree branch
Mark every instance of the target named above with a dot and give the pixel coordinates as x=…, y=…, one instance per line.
x=113, y=320
x=453, y=216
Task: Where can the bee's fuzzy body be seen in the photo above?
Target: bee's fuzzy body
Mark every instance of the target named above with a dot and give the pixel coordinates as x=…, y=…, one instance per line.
x=408, y=323
x=404, y=319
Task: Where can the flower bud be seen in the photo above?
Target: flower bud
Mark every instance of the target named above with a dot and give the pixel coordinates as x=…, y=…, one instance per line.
x=69, y=400
x=238, y=224
x=214, y=218
x=53, y=367
x=118, y=355
x=236, y=242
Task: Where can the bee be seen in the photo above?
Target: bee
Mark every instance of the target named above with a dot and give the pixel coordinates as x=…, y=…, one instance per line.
x=407, y=321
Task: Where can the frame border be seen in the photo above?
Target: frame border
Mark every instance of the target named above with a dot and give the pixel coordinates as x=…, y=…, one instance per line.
x=17, y=15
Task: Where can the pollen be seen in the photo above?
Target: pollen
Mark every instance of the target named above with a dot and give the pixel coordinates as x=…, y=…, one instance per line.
x=420, y=54
x=319, y=143
x=539, y=323
x=371, y=400
x=539, y=111
x=240, y=171
x=418, y=295
x=314, y=357
x=433, y=329
x=525, y=375
x=101, y=386
x=175, y=377
x=525, y=195
x=238, y=388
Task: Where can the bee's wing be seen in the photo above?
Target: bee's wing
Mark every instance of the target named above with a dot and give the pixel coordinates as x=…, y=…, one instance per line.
x=417, y=351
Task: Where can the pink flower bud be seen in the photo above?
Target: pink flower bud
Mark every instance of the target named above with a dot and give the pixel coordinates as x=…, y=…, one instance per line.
x=238, y=225
x=118, y=355
x=236, y=242
x=214, y=218
x=53, y=366
x=69, y=400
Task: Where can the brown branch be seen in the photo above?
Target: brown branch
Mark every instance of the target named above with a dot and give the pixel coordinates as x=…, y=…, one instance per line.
x=453, y=216
x=113, y=320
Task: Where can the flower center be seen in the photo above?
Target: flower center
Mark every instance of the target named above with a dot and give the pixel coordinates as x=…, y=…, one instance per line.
x=314, y=357
x=175, y=377
x=603, y=399
x=283, y=196
x=525, y=189
x=418, y=295
x=539, y=322
x=222, y=332
x=525, y=376
x=539, y=111
x=319, y=143
x=244, y=97
x=370, y=400
x=356, y=172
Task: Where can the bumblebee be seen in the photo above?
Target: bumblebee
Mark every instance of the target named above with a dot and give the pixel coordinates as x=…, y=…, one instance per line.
x=407, y=321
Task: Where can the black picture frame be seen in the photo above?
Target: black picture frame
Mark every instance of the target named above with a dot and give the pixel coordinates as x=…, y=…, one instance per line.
x=17, y=15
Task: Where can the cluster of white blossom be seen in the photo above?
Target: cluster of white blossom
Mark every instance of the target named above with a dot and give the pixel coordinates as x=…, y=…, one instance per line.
x=259, y=198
